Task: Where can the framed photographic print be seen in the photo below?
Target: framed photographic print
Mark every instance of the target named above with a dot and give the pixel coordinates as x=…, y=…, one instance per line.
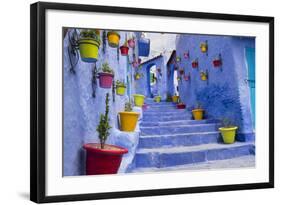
x=129, y=102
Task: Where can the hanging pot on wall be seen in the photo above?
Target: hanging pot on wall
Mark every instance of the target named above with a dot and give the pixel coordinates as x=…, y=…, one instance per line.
x=124, y=50
x=195, y=63
x=143, y=46
x=204, y=47
x=103, y=161
x=113, y=38
x=139, y=100
x=89, y=43
x=181, y=71
x=105, y=79
x=204, y=75
x=132, y=43
x=217, y=62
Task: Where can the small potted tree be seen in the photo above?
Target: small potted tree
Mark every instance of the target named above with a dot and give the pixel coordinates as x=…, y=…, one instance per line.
x=103, y=158
x=106, y=75
x=89, y=43
x=120, y=87
x=113, y=38
x=181, y=105
x=128, y=118
x=198, y=112
x=228, y=131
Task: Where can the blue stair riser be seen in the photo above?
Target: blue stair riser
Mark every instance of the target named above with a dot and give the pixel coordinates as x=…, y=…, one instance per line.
x=166, y=114
x=173, y=111
x=165, y=118
x=176, y=122
x=179, y=140
x=160, y=160
x=177, y=130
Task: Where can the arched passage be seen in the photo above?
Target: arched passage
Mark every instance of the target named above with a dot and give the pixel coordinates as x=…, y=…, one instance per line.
x=152, y=88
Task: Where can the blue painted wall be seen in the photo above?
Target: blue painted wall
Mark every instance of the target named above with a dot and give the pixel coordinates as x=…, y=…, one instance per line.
x=143, y=84
x=82, y=111
x=225, y=94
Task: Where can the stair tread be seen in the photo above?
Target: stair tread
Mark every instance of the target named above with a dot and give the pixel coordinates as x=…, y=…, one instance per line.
x=179, y=126
x=182, y=149
x=179, y=134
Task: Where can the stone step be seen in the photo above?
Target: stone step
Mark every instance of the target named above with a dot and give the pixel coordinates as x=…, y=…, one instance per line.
x=167, y=114
x=166, y=118
x=237, y=162
x=177, y=122
x=156, y=111
x=183, y=139
x=167, y=157
x=163, y=130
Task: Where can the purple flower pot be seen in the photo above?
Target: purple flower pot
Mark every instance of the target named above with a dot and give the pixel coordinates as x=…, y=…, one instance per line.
x=105, y=80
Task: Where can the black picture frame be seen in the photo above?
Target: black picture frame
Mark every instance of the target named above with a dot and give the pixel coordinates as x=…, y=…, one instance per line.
x=38, y=101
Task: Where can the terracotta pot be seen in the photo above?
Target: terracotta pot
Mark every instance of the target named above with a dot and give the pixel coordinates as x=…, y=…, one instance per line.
x=105, y=80
x=103, y=161
x=124, y=50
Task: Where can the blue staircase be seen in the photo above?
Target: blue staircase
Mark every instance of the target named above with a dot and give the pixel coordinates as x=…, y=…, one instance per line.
x=169, y=137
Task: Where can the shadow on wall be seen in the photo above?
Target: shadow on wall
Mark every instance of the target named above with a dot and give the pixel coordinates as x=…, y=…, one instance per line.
x=221, y=100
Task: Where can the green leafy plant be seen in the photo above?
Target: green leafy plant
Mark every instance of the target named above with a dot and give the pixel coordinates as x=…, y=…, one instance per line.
x=90, y=33
x=128, y=107
x=227, y=123
x=104, y=126
x=169, y=98
x=120, y=83
x=105, y=68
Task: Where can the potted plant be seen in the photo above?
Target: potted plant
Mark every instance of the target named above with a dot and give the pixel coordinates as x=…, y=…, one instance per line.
x=181, y=105
x=175, y=98
x=204, y=47
x=228, y=131
x=132, y=42
x=204, y=75
x=195, y=63
x=106, y=75
x=217, y=62
x=169, y=98
x=157, y=98
x=120, y=87
x=113, y=38
x=138, y=75
x=124, y=49
x=198, y=112
x=103, y=158
x=178, y=59
x=89, y=43
x=181, y=71
x=128, y=118
x=139, y=100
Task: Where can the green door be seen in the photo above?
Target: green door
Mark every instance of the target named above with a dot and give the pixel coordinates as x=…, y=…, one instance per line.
x=251, y=81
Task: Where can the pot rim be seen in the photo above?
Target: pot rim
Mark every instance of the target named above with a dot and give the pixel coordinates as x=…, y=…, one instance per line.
x=108, y=74
x=198, y=110
x=113, y=32
x=129, y=113
x=89, y=147
x=228, y=128
x=138, y=95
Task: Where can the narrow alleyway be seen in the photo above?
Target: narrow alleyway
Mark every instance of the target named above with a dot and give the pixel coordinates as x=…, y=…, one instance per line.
x=171, y=139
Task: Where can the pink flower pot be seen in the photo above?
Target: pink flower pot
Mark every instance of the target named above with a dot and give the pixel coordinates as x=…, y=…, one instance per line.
x=105, y=80
x=131, y=43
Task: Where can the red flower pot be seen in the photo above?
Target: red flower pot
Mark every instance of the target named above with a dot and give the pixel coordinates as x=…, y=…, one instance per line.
x=103, y=161
x=144, y=107
x=194, y=64
x=131, y=43
x=181, y=72
x=105, y=80
x=217, y=63
x=124, y=50
x=181, y=106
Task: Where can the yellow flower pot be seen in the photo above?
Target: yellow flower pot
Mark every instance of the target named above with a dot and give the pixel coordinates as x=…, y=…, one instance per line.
x=175, y=98
x=204, y=47
x=128, y=121
x=228, y=134
x=120, y=90
x=204, y=77
x=113, y=39
x=89, y=49
x=157, y=98
x=139, y=100
x=198, y=114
